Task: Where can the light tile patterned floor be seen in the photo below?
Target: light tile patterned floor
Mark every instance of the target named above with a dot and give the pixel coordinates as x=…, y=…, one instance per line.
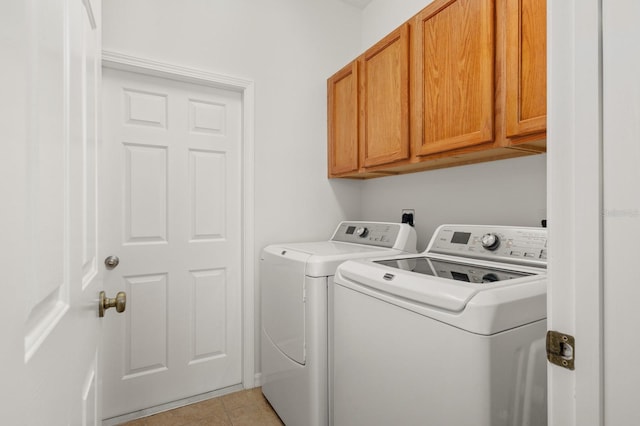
x=244, y=408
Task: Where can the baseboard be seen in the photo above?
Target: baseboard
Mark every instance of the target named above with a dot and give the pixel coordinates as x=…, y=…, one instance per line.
x=169, y=406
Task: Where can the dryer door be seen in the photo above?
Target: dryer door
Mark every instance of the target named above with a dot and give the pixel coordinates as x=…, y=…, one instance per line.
x=283, y=309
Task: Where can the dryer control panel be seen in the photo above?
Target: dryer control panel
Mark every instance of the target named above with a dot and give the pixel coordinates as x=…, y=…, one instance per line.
x=496, y=243
x=382, y=234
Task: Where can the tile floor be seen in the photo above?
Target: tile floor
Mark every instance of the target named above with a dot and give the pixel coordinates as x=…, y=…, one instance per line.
x=244, y=408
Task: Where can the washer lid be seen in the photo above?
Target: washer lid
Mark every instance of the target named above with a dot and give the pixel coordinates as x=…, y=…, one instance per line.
x=481, y=308
x=324, y=257
x=440, y=281
x=443, y=294
x=454, y=270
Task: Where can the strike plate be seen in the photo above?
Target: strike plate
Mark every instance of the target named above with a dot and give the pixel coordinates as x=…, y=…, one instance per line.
x=561, y=349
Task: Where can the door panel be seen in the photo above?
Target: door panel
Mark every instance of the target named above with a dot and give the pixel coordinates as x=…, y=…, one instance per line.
x=146, y=327
x=172, y=184
x=207, y=184
x=145, y=193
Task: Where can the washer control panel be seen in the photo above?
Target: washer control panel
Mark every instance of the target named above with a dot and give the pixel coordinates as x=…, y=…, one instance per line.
x=497, y=243
x=382, y=234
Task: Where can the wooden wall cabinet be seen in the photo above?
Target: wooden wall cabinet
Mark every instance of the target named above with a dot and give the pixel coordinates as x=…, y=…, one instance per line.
x=368, y=108
x=342, y=119
x=384, y=100
x=463, y=81
x=452, y=75
x=526, y=67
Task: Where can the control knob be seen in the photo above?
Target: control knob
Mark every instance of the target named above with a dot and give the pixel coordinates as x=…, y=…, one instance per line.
x=362, y=231
x=490, y=278
x=490, y=241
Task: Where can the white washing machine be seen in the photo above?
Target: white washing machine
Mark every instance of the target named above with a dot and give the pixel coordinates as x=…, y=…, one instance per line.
x=453, y=336
x=294, y=280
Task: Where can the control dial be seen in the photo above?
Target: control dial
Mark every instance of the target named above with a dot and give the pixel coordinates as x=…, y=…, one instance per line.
x=362, y=231
x=490, y=241
x=490, y=278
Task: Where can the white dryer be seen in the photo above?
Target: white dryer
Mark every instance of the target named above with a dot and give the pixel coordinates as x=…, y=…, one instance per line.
x=294, y=280
x=453, y=336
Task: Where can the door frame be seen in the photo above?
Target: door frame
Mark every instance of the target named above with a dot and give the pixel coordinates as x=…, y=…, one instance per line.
x=123, y=62
x=575, y=208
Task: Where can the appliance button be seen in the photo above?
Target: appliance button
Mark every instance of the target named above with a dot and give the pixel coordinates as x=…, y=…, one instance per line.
x=516, y=253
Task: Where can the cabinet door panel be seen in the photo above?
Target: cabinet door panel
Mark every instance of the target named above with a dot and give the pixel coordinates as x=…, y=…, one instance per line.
x=453, y=76
x=384, y=100
x=342, y=115
x=526, y=67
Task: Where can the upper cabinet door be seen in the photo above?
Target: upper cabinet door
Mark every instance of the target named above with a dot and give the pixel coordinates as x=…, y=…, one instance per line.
x=342, y=118
x=453, y=79
x=526, y=65
x=384, y=100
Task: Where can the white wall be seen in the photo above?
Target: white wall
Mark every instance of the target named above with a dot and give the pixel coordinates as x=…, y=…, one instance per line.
x=506, y=192
x=381, y=17
x=289, y=48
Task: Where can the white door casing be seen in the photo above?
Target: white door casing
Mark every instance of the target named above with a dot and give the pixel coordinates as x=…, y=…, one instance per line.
x=50, y=326
x=172, y=180
x=574, y=182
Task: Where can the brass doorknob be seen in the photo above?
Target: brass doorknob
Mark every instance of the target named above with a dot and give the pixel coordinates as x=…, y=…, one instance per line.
x=119, y=302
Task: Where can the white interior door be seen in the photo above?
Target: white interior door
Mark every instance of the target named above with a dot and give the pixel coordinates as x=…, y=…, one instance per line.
x=170, y=164
x=51, y=277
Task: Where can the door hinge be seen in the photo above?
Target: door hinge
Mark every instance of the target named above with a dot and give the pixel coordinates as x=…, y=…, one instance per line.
x=561, y=349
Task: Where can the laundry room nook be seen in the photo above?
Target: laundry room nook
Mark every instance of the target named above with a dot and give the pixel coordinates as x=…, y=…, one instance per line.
x=319, y=212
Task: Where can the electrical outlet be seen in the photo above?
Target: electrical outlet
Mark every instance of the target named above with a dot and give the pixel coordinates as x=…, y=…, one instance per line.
x=408, y=216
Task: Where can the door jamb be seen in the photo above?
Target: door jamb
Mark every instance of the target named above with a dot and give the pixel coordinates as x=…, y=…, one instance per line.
x=123, y=62
x=575, y=208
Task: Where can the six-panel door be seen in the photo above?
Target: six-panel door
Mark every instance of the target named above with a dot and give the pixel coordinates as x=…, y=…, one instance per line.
x=172, y=214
